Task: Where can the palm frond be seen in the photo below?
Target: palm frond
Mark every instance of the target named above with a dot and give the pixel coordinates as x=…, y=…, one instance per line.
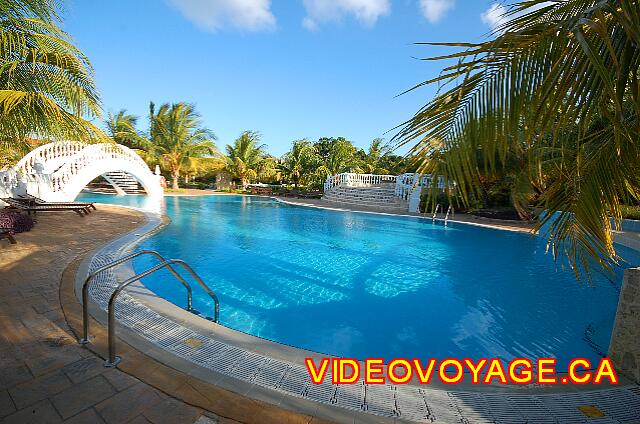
x=557, y=86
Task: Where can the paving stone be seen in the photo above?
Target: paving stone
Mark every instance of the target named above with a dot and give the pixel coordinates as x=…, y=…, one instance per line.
x=6, y=404
x=172, y=411
x=9, y=357
x=127, y=404
x=40, y=413
x=89, y=416
x=118, y=379
x=82, y=396
x=39, y=388
x=44, y=305
x=140, y=419
x=14, y=375
x=42, y=364
x=84, y=369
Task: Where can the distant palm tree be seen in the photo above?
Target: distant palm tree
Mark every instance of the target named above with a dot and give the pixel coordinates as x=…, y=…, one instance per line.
x=47, y=88
x=557, y=90
x=176, y=136
x=341, y=156
x=298, y=162
x=245, y=157
x=374, y=157
x=121, y=127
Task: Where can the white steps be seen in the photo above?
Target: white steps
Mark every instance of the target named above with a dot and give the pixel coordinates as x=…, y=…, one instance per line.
x=375, y=197
x=123, y=181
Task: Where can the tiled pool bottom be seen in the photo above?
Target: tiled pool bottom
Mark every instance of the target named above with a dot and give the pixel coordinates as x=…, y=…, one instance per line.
x=382, y=403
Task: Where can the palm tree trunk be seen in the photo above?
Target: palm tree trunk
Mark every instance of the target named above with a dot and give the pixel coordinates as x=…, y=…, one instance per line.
x=175, y=175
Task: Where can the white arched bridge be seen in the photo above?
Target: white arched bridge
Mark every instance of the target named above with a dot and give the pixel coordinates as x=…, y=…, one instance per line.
x=59, y=171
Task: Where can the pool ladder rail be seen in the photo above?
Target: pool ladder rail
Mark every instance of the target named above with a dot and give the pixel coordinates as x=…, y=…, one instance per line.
x=450, y=212
x=435, y=211
x=114, y=360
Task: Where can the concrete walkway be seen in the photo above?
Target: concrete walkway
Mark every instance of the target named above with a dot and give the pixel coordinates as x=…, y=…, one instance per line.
x=45, y=376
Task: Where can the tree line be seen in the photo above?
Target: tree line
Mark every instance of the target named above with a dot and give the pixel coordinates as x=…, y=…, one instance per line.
x=177, y=141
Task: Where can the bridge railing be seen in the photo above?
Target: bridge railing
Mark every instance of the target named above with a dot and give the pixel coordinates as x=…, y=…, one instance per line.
x=88, y=156
x=59, y=170
x=51, y=156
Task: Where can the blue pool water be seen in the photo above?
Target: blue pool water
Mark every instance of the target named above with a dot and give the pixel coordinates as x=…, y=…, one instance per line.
x=362, y=285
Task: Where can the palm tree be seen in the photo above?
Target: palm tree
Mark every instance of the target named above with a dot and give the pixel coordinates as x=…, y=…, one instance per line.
x=176, y=136
x=47, y=88
x=340, y=156
x=557, y=85
x=121, y=127
x=374, y=157
x=297, y=163
x=204, y=167
x=245, y=157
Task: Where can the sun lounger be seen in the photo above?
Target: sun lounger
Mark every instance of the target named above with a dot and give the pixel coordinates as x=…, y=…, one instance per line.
x=39, y=201
x=8, y=234
x=30, y=207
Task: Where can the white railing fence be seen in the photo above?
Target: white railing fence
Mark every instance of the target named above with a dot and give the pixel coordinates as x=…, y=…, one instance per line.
x=90, y=156
x=349, y=179
x=408, y=187
x=48, y=157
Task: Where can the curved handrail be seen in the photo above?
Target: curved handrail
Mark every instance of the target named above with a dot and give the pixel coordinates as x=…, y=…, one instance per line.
x=87, y=281
x=55, y=150
x=87, y=157
x=113, y=360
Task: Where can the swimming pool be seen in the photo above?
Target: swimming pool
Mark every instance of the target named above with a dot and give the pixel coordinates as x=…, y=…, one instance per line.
x=363, y=285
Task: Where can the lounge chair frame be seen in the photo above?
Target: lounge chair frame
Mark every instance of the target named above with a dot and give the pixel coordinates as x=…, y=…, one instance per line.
x=7, y=233
x=39, y=201
x=20, y=204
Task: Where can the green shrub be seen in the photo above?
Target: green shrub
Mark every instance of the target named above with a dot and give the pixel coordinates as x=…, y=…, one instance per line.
x=630, y=212
x=441, y=198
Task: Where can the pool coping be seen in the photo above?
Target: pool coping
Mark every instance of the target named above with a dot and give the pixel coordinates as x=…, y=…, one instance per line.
x=236, y=339
x=407, y=215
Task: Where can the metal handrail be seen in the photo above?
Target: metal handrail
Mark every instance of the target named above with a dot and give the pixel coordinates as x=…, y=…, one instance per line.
x=85, y=287
x=113, y=360
x=435, y=211
x=449, y=212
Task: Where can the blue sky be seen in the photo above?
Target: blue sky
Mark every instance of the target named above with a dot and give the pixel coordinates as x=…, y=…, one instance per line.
x=289, y=69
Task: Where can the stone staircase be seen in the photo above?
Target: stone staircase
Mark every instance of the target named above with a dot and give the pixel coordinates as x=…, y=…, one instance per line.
x=124, y=181
x=379, y=196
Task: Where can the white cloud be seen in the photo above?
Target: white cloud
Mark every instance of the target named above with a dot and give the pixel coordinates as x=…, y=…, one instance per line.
x=213, y=15
x=494, y=16
x=366, y=12
x=435, y=10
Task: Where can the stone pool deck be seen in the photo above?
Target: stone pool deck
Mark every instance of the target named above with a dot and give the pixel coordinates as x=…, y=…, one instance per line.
x=45, y=376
